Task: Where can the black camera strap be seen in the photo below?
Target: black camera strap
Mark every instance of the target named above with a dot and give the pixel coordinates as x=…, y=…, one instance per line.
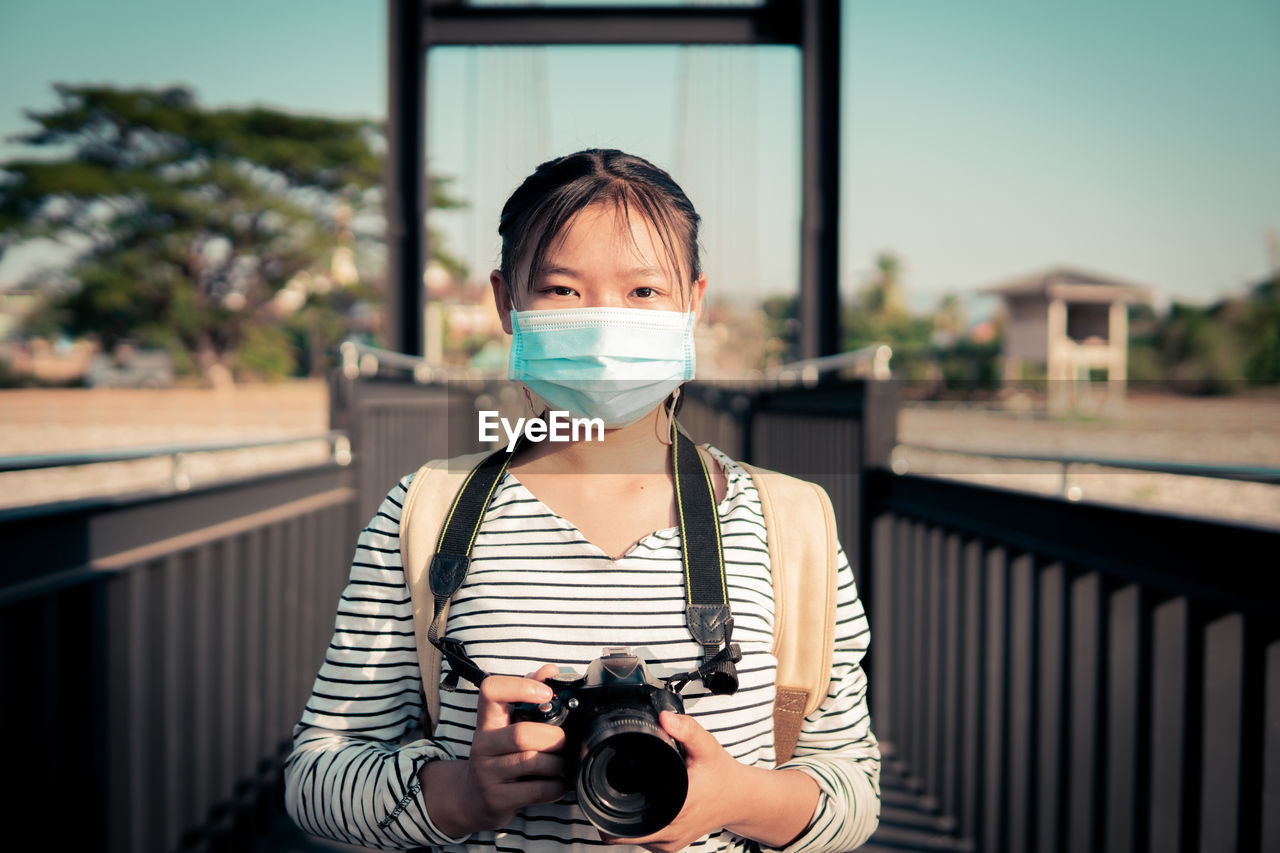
x=706, y=590
x=452, y=559
x=707, y=611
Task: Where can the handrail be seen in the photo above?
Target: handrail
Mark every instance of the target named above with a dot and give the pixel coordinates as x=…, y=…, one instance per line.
x=808, y=370
x=178, y=454
x=364, y=360
x=36, y=461
x=1246, y=473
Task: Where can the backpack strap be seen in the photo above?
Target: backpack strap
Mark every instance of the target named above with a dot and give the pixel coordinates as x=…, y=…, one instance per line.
x=803, y=555
x=426, y=505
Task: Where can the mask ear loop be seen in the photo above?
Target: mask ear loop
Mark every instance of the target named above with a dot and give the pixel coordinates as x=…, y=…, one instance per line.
x=533, y=410
x=671, y=418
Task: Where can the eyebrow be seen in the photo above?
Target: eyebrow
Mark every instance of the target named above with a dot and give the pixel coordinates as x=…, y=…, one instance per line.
x=634, y=272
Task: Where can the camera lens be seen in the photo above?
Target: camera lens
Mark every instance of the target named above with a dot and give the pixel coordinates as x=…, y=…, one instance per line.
x=632, y=779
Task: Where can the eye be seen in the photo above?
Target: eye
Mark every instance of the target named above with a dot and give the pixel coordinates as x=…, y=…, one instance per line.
x=644, y=292
x=558, y=290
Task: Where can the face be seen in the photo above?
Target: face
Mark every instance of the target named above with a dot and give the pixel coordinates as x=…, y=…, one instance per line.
x=602, y=262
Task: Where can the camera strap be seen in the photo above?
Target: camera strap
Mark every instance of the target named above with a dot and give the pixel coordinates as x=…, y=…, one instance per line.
x=707, y=611
x=706, y=590
x=452, y=559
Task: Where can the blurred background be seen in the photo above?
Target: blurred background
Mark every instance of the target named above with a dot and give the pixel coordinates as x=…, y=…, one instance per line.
x=191, y=201
x=1058, y=277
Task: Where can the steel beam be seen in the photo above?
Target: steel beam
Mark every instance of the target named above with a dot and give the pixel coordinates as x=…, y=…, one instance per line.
x=820, y=181
x=406, y=168
x=458, y=24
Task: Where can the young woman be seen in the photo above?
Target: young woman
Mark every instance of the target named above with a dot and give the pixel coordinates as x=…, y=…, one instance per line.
x=579, y=550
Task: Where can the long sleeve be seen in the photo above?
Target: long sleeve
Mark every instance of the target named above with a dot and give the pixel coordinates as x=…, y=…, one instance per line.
x=350, y=778
x=836, y=746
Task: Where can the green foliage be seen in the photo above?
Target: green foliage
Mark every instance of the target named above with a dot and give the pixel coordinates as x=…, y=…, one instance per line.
x=782, y=323
x=1212, y=349
x=1145, y=364
x=265, y=352
x=900, y=331
x=881, y=295
x=1262, y=331
x=1199, y=351
x=212, y=232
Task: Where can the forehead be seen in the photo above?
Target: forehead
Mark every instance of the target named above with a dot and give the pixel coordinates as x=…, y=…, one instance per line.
x=606, y=230
x=606, y=234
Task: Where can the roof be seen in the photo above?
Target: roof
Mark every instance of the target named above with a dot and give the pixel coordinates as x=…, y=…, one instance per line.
x=1070, y=285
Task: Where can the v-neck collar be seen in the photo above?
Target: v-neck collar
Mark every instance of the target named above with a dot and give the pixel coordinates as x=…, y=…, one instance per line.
x=732, y=486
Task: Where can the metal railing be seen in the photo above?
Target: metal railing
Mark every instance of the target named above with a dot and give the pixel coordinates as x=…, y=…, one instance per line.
x=1214, y=470
x=179, y=455
x=871, y=361
x=156, y=651
x=1067, y=676
x=341, y=450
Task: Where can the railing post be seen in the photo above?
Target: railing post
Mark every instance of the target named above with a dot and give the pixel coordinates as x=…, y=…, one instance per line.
x=878, y=433
x=181, y=476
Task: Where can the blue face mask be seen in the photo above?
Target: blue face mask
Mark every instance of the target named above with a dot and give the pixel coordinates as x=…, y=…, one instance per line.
x=616, y=364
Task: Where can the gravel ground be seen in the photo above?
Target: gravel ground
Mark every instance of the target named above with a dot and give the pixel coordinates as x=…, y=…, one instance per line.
x=1230, y=431
x=68, y=420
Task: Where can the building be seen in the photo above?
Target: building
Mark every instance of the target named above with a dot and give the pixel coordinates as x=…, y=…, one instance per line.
x=1072, y=329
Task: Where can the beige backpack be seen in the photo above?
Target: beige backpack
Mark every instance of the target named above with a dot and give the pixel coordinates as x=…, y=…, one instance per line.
x=802, y=558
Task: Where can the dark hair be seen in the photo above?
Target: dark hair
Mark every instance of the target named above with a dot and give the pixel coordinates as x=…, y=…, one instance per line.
x=560, y=189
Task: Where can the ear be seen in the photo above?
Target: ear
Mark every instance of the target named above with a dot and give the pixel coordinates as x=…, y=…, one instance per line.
x=501, y=299
x=696, y=292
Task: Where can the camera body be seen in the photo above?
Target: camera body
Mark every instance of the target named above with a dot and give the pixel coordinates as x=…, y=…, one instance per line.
x=631, y=778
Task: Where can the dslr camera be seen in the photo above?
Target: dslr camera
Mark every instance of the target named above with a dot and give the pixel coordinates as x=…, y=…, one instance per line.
x=631, y=778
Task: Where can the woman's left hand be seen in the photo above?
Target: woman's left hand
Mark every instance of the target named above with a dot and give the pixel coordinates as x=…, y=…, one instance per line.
x=713, y=789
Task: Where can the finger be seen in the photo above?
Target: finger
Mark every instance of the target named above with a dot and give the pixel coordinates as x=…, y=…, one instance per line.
x=516, y=795
x=527, y=766
x=696, y=740
x=522, y=737
x=499, y=691
x=544, y=672
x=680, y=726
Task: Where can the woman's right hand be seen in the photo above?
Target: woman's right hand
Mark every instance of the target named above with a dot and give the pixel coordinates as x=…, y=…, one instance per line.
x=511, y=765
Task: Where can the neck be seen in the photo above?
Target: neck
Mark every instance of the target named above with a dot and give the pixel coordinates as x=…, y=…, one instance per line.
x=631, y=450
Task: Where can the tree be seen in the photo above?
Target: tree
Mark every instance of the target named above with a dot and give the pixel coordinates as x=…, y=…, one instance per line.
x=224, y=235
x=1200, y=349
x=950, y=322
x=1262, y=330
x=882, y=297
x=782, y=327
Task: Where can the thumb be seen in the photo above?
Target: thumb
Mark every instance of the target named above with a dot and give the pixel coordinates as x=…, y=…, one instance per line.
x=688, y=731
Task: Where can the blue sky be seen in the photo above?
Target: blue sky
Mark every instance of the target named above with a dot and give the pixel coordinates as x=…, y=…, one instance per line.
x=982, y=139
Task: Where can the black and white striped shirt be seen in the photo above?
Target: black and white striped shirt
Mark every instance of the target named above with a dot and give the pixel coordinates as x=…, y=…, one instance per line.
x=538, y=592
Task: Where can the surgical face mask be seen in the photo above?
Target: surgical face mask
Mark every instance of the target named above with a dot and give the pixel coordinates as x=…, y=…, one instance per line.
x=616, y=364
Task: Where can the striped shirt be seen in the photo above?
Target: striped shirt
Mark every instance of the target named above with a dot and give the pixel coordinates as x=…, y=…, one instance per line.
x=538, y=592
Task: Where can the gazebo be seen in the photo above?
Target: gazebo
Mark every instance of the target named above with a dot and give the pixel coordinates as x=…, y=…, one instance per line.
x=1075, y=325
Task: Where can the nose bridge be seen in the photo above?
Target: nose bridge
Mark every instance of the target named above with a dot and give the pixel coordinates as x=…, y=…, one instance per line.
x=607, y=299
x=604, y=292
